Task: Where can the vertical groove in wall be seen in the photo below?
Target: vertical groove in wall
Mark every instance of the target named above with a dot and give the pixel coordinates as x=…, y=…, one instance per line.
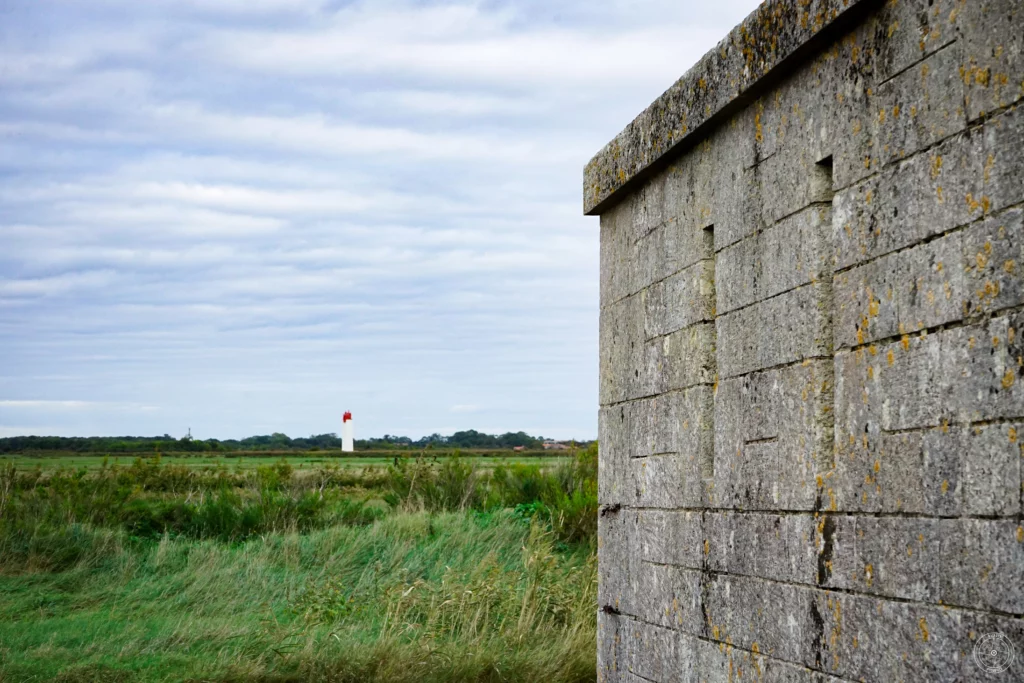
x=707, y=455
x=825, y=182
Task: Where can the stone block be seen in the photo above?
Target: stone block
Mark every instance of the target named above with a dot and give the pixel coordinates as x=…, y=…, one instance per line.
x=668, y=596
x=617, y=560
x=779, y=547
x=687, y=357
x=942, y=468
x=619, y=253
x=912, y=472
x=667, y=481
x=921, y=105
x=627, y=370
x=792, y=253
x=930, y=284
x=720, y=663
x=993, y=45
x=866, y=302
x=613, y=455
x=610, y=664
x=691, y=194
x=668, y=249
x=1003, y=168
x=893, y=557
x=901, y=292
x=683, y=423
x=790, y=181
x=756, y=614
x=683, y=299
x=773, y=437
x=991, y=469
x=866, y=638
x=657, y=654
x=738, y=212
x=729, y=543
x=647, y=206
x=785, y=329
x=983, y=564
x=915, y=384
x=904, y=32
x=993, y=255
x=671, y=537
x=987, y=364
x=927, y=194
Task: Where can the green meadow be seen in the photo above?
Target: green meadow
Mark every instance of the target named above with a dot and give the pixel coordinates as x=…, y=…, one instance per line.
x=307, y=568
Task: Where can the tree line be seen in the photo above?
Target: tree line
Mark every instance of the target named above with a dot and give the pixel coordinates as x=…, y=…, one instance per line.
x=273, y=442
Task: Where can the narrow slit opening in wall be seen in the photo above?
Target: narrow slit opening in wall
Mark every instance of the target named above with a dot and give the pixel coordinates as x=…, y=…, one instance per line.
x=709, y=242
x=825, y=179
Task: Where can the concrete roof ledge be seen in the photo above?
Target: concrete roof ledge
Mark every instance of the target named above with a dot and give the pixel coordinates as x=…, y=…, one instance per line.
x=726, y=79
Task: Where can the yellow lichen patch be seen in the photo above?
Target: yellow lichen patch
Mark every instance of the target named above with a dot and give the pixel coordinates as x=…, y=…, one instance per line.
x=936, y=166
x=869, y=574
x=945, y=486
x=1010, y=266
x=1008, y=379
x=1020, y=534
x=972, y=203
x=923, y=626
x=891, y=357
x=905, y=341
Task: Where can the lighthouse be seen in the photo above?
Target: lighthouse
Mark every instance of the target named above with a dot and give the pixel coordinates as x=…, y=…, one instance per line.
x=347, y=444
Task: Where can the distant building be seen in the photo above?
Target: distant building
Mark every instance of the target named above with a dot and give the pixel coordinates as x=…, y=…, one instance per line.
x=555, y=446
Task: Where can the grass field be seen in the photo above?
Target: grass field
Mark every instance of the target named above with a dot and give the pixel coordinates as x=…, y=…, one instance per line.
x=465, y=569
x=300, y=460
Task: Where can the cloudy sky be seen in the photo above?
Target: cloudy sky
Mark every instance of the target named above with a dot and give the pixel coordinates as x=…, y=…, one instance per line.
x=246, y=216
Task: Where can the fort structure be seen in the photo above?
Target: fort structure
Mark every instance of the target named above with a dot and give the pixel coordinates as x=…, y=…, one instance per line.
x=812, y=353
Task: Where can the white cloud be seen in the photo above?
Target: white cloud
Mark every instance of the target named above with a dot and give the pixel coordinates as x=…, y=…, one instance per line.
x=238, y=215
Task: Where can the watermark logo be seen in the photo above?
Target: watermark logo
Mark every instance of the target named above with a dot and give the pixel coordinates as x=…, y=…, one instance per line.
x=994, y=653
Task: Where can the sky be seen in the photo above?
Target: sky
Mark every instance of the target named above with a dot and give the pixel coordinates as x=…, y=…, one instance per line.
x=241, y=217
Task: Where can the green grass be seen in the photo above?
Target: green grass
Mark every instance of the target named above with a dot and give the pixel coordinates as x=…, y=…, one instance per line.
x=415, y=597
x=422, y=571
x=307, y=460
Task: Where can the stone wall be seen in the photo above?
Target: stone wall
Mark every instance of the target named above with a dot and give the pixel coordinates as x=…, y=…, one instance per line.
x=812, y=352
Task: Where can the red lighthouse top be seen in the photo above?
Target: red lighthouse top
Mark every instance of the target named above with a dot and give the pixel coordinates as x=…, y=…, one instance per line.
x=347, y=416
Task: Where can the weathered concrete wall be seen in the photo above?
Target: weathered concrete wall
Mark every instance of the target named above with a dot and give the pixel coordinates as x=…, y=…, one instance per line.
x=812, y=352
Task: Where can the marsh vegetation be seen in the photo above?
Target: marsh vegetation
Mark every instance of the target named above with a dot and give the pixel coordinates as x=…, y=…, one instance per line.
x=414, y=570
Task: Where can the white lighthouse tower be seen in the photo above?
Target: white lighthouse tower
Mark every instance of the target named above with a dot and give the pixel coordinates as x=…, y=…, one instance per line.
x=347, y=442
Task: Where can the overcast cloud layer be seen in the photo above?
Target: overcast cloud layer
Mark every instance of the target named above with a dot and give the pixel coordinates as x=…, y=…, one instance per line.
x=246, y=216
